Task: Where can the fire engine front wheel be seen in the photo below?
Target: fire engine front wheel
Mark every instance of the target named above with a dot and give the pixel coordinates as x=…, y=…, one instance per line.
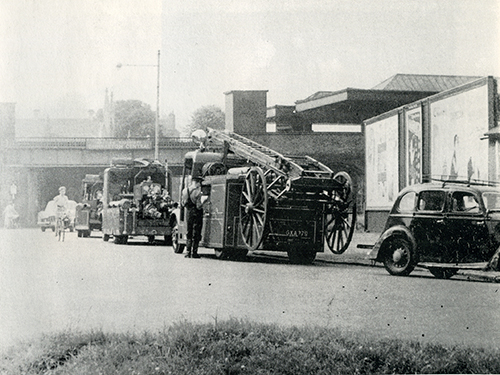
x=253, y=208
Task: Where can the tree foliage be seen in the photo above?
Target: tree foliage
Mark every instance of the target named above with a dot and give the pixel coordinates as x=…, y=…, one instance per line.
x=134, y=118
x=205, y=117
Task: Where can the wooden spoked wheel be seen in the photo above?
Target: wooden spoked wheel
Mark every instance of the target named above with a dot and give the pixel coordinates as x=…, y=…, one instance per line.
x=253, y=208
x=340, y=218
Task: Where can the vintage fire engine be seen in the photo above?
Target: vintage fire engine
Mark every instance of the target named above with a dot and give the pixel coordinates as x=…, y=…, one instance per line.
x=136, y=201
x=258, y=199
x=89, y=211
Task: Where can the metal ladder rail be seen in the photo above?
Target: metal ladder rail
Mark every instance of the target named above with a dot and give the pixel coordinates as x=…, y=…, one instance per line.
x=312, y=167
x=259, y=154
x=305, y=164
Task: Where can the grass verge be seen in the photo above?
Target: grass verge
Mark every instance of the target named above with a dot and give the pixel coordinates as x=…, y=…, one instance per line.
x=237, y=347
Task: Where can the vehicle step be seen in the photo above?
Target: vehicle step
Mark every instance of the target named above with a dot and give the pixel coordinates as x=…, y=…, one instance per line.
x=461, y=266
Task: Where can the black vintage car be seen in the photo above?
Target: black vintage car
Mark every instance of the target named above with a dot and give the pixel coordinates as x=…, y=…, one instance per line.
x=443, y=227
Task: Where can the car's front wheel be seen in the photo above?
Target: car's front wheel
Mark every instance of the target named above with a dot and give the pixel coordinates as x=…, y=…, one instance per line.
x=399, y=257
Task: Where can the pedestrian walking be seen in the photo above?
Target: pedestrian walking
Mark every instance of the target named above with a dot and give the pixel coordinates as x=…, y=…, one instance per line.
x=11, y=219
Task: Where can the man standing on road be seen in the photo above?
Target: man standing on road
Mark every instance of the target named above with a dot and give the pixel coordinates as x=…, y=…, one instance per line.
x=191, y=199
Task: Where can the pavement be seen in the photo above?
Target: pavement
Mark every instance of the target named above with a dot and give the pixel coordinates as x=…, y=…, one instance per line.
x=357, y=255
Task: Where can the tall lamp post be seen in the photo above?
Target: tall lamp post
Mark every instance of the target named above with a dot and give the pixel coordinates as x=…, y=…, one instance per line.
x=157, y=119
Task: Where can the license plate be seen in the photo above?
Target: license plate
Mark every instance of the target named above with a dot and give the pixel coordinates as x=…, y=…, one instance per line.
x=292, y=230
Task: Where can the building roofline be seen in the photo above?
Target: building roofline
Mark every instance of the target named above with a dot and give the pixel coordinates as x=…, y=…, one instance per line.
x=233, y=91
x=440, y=95
x=353, y=94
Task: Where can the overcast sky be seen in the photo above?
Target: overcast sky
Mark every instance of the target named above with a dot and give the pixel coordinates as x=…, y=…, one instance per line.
x=59, y=56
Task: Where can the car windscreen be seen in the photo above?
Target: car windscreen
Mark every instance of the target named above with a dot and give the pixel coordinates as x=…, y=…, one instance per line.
x=492, y=200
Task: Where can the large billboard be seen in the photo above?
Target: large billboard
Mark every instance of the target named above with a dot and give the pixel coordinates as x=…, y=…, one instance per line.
x=382, y=181
x=458, y=124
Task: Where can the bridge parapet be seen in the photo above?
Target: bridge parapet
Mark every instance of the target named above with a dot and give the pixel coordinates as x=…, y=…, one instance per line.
x=98, y=143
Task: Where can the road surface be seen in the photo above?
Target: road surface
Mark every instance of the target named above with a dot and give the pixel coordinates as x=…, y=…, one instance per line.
x=48, y=286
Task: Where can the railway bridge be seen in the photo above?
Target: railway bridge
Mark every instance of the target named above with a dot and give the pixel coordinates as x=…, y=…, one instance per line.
x=38, y=166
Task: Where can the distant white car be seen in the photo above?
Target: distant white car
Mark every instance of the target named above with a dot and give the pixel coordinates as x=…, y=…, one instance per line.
x=47, y=217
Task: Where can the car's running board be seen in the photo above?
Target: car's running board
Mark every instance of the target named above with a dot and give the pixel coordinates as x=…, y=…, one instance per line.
x=460, y=266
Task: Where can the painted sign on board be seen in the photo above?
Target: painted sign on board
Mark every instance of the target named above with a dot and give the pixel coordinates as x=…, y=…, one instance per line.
x=382, y=181
x=458, y=124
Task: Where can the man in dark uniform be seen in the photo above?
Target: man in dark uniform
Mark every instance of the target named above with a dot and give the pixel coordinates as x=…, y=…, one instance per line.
x=191, y=199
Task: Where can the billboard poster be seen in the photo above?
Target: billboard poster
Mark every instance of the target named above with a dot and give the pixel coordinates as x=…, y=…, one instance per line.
x=457, y=125
x=382, y=181
x=413, y=146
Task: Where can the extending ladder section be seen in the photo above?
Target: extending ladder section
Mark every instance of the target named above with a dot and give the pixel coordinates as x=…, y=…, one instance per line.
x=301, y=172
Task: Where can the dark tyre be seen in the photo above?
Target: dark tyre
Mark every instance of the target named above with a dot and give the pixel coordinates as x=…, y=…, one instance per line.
x=121, y=240
x=43, y=229
x=221, y=254
x=301, y=256
x=105, y=237
x=232, y=254
x=238, y=254
x=80, y=233
x=168, y=240
x=399, y=257
x=151, y=239
x=178, y=248
x=443, y=273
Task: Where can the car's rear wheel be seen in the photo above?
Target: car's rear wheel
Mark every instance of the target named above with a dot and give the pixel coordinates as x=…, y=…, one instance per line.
x=443, y=273
x=399, y=257
x=43, y=229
